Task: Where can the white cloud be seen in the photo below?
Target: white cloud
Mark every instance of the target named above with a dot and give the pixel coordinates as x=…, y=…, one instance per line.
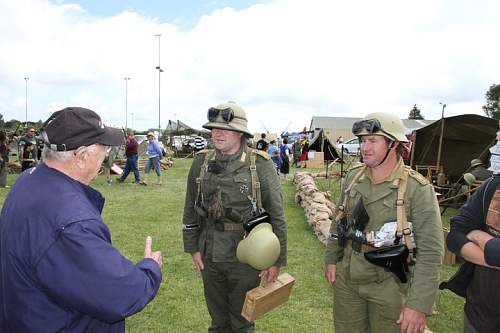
x=283, y=61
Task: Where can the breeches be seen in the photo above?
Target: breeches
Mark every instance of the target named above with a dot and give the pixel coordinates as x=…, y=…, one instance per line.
x=225, y=286
x=366, y=308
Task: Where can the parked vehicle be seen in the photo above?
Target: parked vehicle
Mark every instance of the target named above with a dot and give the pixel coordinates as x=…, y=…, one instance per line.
x=350, y=146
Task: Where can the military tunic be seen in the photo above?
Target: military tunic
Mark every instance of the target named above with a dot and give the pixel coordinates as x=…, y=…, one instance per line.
x=367, y=298
x=226, y=280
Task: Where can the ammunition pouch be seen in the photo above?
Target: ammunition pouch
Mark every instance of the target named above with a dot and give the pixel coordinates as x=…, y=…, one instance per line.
x=393, y=259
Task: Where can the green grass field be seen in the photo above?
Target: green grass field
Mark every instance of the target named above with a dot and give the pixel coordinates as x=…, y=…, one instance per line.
x=132, y=212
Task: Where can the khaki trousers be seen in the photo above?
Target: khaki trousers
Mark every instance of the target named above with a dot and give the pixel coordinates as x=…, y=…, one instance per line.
x=366, y=308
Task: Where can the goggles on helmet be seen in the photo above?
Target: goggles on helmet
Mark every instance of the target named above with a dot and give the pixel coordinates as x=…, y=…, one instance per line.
x=226, y=114
x=372, y=126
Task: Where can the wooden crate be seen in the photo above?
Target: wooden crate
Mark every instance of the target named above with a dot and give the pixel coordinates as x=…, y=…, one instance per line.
x=316, y=159
x=261, y=300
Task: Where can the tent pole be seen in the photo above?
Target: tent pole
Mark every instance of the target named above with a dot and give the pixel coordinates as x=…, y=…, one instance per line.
x=438, y=164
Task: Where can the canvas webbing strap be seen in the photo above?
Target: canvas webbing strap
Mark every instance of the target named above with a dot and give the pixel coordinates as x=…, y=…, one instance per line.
x=210, y=155
x=403, y=228
x=256, y=197
x=341, y=212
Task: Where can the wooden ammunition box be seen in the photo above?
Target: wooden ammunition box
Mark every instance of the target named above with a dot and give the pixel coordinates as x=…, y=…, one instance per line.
x=261, y=300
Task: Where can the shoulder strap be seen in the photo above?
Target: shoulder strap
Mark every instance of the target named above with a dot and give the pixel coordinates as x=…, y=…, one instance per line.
x=403, y=229
x=209, y=154
x=341, y=208
x=256, y=195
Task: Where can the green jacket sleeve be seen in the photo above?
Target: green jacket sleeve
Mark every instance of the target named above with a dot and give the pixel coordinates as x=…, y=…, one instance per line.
x=334, y=252
x=272, y=202
x=190, y=233
x=428, y=231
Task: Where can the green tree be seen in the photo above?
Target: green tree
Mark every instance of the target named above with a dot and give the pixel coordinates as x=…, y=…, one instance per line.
x=2, y=122
x=491, y=109
x=415, y=113
x=13, y=124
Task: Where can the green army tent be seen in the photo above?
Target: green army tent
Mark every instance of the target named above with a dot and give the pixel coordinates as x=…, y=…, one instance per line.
x=465, y=137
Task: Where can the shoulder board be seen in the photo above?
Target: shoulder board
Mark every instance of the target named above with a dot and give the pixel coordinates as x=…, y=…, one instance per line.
x=261, y=153
x=356, y=166
x=416, y=175
x=203, y=151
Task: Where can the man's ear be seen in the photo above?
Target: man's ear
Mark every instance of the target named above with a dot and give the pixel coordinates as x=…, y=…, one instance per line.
x=81, y=158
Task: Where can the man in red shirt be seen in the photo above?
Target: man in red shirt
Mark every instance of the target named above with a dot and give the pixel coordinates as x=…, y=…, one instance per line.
x=131, y=154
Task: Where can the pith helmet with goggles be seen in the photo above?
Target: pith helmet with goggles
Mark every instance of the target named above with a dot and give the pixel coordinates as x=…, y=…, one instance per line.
x=228, y=116
x=381, y=123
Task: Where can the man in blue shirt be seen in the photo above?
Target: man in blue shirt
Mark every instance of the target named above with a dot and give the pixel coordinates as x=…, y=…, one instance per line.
x=155, y=153
x=59, y=271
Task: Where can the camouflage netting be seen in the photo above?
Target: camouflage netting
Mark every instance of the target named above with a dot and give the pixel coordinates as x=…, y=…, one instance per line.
x=319, y=210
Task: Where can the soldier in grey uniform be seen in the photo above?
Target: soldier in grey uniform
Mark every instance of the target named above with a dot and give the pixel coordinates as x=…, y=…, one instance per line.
x=368, y=298
x=225, y=187
x=478, y=172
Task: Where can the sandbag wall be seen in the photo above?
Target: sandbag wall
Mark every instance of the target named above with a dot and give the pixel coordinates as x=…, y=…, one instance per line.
x=319, y=210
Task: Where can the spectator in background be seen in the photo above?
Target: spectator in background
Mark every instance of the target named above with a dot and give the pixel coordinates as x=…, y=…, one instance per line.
x=262, y=143
x=29, y=136
x=29, y=157
x=108, y=163
x=339, y=140
x=131, y=153
x=155, y=153
x=285, y=158
x=296, y=149
x=4, y=159
x=199, y=143
x=303, y=154
x=275, y=155
x=477, y=172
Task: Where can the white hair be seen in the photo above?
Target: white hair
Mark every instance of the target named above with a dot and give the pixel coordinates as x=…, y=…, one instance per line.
x=59, y=156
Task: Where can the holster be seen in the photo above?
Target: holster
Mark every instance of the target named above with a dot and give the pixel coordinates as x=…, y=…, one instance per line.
x=392, y=258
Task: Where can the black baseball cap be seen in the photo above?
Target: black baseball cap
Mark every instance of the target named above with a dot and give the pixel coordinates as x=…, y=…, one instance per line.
x=73, y=127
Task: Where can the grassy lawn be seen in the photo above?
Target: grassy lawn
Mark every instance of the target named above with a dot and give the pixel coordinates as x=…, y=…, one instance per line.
x=132, y=212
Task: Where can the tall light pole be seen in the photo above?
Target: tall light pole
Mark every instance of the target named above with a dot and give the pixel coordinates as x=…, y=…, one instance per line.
x=132, y=121
x=126, y=102
x=26, y=101
x=159, y=84
x=438, y=164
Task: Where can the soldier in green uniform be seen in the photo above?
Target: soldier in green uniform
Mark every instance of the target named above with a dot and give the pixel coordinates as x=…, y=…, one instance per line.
x=369, y=298
x=225, y=187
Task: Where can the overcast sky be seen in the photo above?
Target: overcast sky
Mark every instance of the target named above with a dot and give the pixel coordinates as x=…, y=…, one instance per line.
x=283, y=61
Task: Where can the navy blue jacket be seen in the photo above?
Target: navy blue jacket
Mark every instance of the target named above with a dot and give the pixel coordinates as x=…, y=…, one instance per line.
x=59, y=271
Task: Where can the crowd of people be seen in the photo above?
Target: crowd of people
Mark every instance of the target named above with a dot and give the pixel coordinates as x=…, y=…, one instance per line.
x=286, y=154
x=60, y=272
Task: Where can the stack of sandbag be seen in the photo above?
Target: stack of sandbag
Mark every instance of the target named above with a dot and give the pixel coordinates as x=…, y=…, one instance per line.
x=318, y=209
